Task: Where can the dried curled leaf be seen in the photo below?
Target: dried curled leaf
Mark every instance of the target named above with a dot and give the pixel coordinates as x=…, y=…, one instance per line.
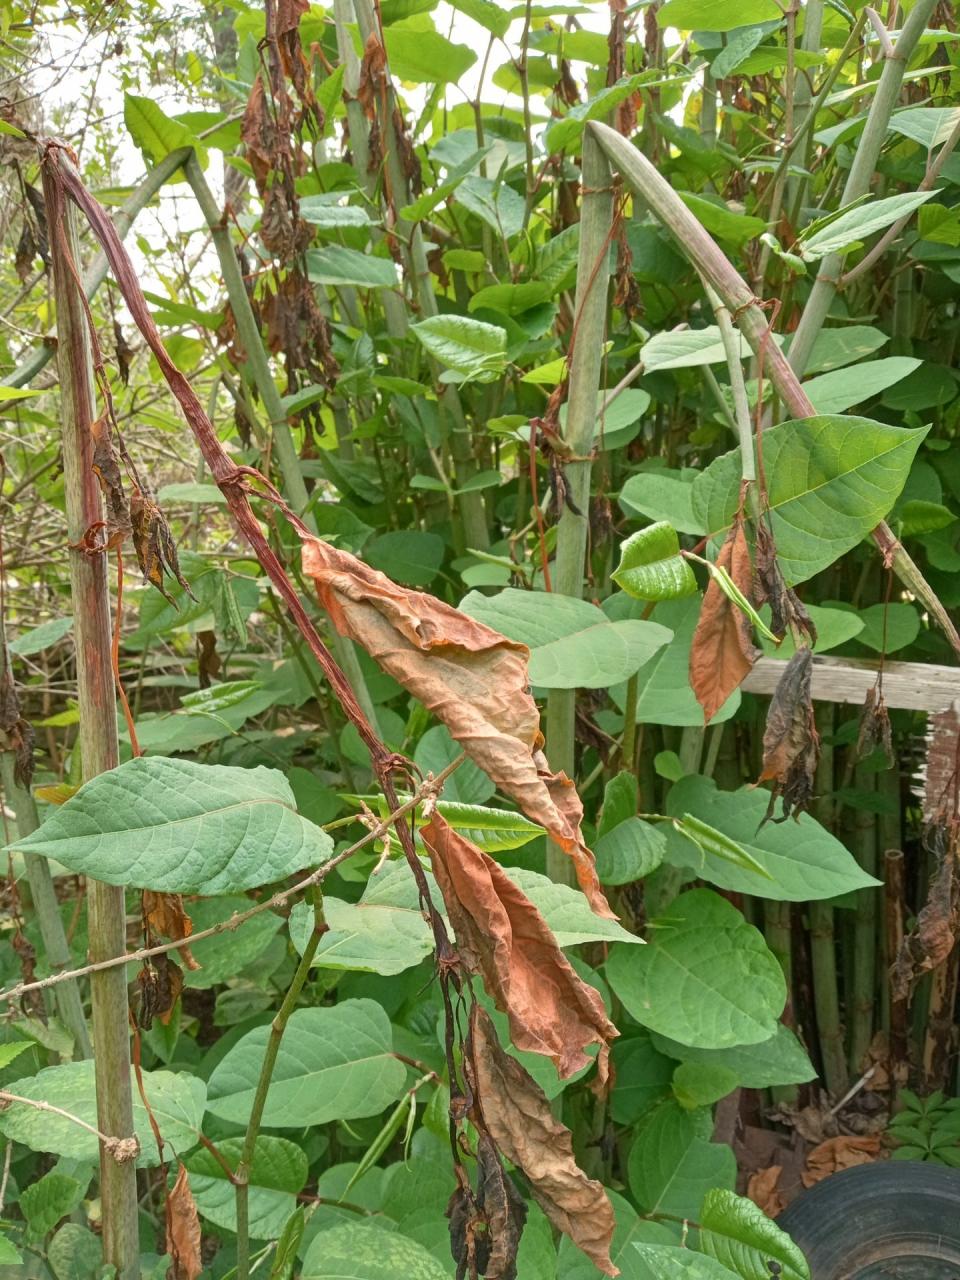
x=875, y=732
x=17, y=731
x=470, y=677
x=503, y=937
x=787, y=612
x=941, y=768
x=938, y=924
x=723, y=653
x=791, y=744
x=164, y=914
x=154, y=544
x=517, y=1116
x=107, y=470
x=183, y=1230
x=160, y=983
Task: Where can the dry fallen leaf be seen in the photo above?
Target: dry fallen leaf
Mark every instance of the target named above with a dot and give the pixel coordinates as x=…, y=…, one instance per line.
x=723, y=652
x=837, y=1154
x=763, y=1189
x=183, y=1230
x=518, y=1117
x=503, y=937
x=470, y=677
x=791, y=744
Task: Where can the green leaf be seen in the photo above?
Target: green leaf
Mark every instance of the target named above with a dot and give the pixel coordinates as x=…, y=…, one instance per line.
x=9, y=1256
x=228, y=954
x=75, y=1253
x=670, y=1262
x=705, y=977
x=687, y=349
x=841, y=389
x=44, y=1202
x=717, y=15
x=568, y=913
x=738, y=47
x=176, y=1100
x=830, y=481
x=16, y=393
x=278, y=1172
x=834, y=348
x=468, y=783
x=407, y=555
x=567, y=131
x=695, y=1084
x=629, y=852
x=740, y=1236
x=494, y=203
x=368, y=1252
x=723, y=222
x=643, y=1076
x=631, y=1228
x=334, y=1063
x=709, y=840
x=192, y=492
x=853, y=227
x=725, y=582
x=474, y=350
x=662, y=494
x=369, y=935
x=39, y=638
x=181, y=827
x=803, y=861
x=835, y=626
x=651, y=567
x=781, y=1059
x=12, y=1050
x=927, y=125
x=155, y=133
x=335, y=265
x=573, y=644
x=511, y=299
x=489, y=15
x=288, y=1246
x=328, y=213
x=425, y=57
x=673, y=1163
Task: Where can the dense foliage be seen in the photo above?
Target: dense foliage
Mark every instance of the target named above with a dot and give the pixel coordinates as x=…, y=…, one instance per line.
x=457, y=367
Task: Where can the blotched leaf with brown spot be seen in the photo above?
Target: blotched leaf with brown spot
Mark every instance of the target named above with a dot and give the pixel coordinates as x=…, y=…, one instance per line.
x=723, y=652
x=791, y=744
x=518, y=1117
x=183, y=1230
x=503, y=937
x=471, y=677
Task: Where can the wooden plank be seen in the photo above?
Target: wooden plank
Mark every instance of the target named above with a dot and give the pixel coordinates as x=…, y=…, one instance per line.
x=913, y=686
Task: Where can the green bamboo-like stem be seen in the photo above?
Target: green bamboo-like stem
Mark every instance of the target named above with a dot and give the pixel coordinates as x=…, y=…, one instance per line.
x=124, y=218
x=823, y=944
x=803, y=97
x=471, y=507
x=628, y=742
x=863, y=993
x=586, y=366
x=859, y=178
x=97, y=734
x=715, y=268
x=741, y=405
x=288, y=461
x=241, y=1178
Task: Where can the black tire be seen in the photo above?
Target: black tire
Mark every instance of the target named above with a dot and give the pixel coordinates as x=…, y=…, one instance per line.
x=895, y=1220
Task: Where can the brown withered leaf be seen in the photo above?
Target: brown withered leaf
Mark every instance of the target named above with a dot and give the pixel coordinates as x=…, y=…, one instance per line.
x=723, y=652
x=124, y=353
x=839, y=1153
x=164, y=914
x=154, y=545
x=502, y=937
x=471, y=677
x=107, y=470
x=160, y=983
x=18, y=732
x=373, y=75
x=518, y=1117
x=787, y=612
x=941, y=767
x=935, y=933
x=183, y=1230
x=875, y=730
x=791, y=744
x=26, y=251
x=763, y=1189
